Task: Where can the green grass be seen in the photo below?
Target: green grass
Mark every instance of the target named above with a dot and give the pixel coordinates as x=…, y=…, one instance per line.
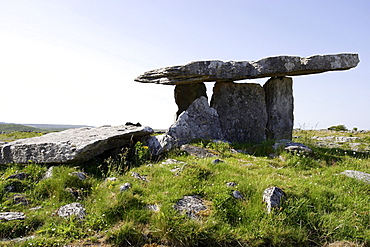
x=321, y=206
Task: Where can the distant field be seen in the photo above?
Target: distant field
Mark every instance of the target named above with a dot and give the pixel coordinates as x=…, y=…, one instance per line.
x=10, y=127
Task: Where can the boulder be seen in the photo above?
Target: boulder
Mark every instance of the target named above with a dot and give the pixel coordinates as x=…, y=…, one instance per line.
x=205, y=71
x=186, y=94
x=70, y=145
x=242, y=111
x=279, y=105
x=198, y=121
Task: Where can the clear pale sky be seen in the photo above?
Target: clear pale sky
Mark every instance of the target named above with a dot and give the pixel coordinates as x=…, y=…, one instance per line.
x=75, y=61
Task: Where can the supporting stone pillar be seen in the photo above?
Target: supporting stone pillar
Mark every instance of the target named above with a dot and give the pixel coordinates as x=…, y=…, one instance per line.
x=185, y=95
x=242, y=111
x=279, y=104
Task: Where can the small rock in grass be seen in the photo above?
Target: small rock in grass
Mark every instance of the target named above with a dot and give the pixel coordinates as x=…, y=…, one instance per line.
x=77, y=194
x=273, y=197
x=238, y=195
x=124, y=187
x=49, y=173
x=20, y=176
x=357, y=175
x=72, y=209
x=80, y=175
x=216, y=161
x=111, y=179
x=153, y=207
x=138, y=176
x=231, y=184
x=8, y=216
x=191, y=206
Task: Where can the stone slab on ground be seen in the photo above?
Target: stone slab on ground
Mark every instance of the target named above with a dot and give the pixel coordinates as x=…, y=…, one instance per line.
x=207, y=71
x=70, y=145
x=363, y=176
x=12, y=216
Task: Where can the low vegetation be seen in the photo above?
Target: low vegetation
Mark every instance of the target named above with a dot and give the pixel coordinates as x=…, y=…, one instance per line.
x=322, y=207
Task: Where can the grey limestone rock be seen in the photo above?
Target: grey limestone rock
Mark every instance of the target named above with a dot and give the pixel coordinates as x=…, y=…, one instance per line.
x=205, y=71
x=12, y=216
x=186, y=94
x=191, y=206
x=70, y=145
x=242, y=111
x=279, y=104
x=237, y=195
x=198, y=121
x=124, y=187
x=159, y=144
x=72, y=209
x=273, y=197
x=197, y=151
x=357, y=175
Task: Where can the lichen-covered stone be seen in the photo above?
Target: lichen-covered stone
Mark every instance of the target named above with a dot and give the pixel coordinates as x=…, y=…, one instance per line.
x=273, y=197
x=70, y=145
x=203, y=71
x=242, y=111
x=279, y=105
x=198, y=121
x=68, y=210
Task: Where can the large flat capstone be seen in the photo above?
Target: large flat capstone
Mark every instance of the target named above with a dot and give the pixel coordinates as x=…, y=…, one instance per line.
x=70, y=145
x=206, y=71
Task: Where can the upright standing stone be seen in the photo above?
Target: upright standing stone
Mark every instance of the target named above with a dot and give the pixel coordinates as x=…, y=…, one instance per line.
x=186, y=94
x=279, y=104
x=198, y=121
x=242, y=111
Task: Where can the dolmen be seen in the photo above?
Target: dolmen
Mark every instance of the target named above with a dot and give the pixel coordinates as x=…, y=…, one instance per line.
x=240, y=112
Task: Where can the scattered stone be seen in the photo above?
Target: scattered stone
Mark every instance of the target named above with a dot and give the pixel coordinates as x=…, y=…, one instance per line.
x=273, y=197
x=231, y=184
x=72, y=209
x=8, y=216
x=20, y=176
x=36, y=208
x=138, y=176
x=291, y=146
x=20, y=199
x=242, y=111
x=198, y=121
x=153, y=207
x=279, y=103
x=207, y=71
x=247, y=165
x=186, y=94
x=191, y=206
x=124, y=187
x=111, y=179
x=71, y=145
x=216, y=161
x=237, y=195
x=365, y=177
x=79, y=175
x=49, y=173
x=171, y=162
x=197, y=151
x=160, y=143
x=23, y=239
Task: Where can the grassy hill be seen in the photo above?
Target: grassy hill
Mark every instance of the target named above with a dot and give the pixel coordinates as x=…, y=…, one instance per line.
x=322, y=207
x=7, y=128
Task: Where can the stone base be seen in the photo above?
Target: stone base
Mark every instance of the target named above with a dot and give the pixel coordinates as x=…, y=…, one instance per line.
x=279, y=104
x=242, y=111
